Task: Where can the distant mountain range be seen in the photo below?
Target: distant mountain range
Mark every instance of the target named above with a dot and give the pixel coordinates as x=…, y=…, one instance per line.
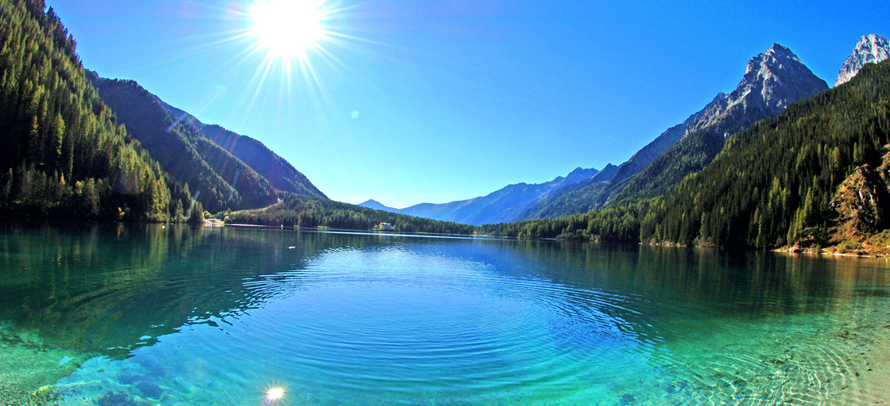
x=497, y=207
x=773, y=80
x=814, y=178
x=373, y=204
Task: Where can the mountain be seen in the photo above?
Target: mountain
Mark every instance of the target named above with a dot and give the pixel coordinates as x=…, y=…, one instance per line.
x=373, y=204
x=870, y=49
x=779, y=183
x=817, y=175
x=577, y=198
x=772, y=81
x=62, y=153
x=278, y=171
x=500, y=206
x=604, y=175
x=497, y=207
x=219, y=180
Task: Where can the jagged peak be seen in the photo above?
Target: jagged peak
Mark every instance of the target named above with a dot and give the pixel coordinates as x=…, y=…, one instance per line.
x=871, y=48
x=780, y=50
x=579, y=170
x=872, y=41
x=774, y=59
x=773, y=80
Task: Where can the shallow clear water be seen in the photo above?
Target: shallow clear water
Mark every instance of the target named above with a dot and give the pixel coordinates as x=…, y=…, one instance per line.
x=139, y=315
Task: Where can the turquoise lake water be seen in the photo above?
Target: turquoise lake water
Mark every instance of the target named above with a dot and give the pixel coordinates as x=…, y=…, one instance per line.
x=145, y=315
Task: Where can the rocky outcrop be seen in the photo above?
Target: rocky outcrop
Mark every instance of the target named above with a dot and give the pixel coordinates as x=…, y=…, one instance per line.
x=861, y=202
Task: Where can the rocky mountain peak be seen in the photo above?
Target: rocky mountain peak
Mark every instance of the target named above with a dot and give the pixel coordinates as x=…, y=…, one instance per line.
x=774, y=59
x=578, y=175
x=772, y=81
x=871, y=48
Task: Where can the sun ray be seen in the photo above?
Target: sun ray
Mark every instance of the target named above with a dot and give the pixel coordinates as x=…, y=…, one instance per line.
x=259, y=78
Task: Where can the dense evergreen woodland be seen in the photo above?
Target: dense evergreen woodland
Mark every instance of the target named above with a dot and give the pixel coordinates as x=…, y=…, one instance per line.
x=62, y=153
x=689, y=155
x=774, y=184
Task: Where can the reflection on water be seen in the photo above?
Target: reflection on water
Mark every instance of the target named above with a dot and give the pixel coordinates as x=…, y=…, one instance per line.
x=119, y=314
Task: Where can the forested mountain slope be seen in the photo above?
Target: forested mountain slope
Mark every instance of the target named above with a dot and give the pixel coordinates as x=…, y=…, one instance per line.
x=308, y=211
x=278, y=171
x=62, y=152
x=219, y=180
x=774, y=184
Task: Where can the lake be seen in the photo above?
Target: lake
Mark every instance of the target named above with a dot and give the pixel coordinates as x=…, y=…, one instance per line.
x=148, y=315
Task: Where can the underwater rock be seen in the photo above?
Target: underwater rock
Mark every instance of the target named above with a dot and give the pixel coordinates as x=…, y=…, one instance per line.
x=119, y=399
x=150, y=389
x=627, y=399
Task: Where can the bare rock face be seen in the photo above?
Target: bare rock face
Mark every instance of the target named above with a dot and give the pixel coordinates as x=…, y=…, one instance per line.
x=861, y=202
x=870, y=49
x=858, y=203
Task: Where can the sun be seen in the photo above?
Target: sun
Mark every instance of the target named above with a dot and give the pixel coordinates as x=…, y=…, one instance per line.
x=287, y=29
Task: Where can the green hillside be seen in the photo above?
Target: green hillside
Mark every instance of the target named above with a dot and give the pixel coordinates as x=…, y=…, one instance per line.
x=265, y=162
x=219, y=180
x=689, y=155
x=62, y=153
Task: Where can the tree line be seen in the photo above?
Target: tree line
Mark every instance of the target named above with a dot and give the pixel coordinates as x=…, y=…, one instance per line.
x=308, y=211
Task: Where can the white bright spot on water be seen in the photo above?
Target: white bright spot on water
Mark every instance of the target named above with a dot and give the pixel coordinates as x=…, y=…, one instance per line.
x=274, y=394
x=356, y=115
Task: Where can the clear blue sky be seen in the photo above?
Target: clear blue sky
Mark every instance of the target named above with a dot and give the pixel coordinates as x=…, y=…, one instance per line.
x=458, y=98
